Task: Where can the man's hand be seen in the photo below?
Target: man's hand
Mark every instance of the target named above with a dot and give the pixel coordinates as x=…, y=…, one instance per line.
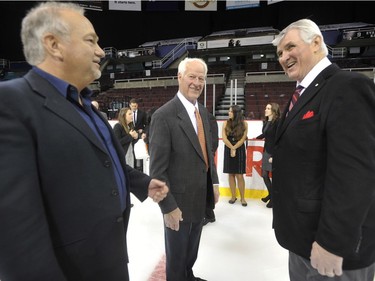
x=325, y=262
x=172, y=219
x=157, y=190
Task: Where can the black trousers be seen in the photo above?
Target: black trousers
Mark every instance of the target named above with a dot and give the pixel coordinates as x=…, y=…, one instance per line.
x=181, y=249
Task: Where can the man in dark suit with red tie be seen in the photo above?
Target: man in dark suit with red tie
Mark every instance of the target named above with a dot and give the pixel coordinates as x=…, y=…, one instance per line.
x=324, y=164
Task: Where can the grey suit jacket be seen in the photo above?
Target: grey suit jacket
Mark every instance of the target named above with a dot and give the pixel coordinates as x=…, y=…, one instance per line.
x=59, y=204
x=176, y=158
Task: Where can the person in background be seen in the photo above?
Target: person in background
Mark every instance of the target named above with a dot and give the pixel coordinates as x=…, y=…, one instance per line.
x=187, y=166
x=251, y=115
x=140, y=124
x=65, y=186
x=96, y=105
x=323, y=190
x=125, y=133
x=149, y=116
x=210, y=214
x=271, y=120
x=234, y=134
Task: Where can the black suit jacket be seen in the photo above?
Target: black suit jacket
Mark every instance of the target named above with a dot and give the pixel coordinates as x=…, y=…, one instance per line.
x=124, y=138
x=324, y=169
x=141, y=121
x=60, y=212
x=176, y=158
x=269, y=134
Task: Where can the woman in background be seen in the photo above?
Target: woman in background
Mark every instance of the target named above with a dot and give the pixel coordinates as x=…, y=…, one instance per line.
x=271, y=120
x=234, y=134
x=124, y=131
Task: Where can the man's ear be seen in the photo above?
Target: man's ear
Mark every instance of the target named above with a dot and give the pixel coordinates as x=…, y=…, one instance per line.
x=52, y=45
x=317, y=43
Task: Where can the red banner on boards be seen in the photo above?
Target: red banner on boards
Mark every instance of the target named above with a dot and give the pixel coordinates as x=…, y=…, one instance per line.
x=254, y=157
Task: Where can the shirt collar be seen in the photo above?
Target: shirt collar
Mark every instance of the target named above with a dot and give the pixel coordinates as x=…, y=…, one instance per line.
x=62, y=86
x=187, y=104
x=314, y=72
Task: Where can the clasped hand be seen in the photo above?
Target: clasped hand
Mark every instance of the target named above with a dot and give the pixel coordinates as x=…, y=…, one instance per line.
x=324, y=262
x=157, y=190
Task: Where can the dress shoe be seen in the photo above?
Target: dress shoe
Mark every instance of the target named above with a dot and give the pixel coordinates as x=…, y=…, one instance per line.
x=206, y=220
x=198, y=279
x=266, y=199
x=231, y=201
x=269, y=204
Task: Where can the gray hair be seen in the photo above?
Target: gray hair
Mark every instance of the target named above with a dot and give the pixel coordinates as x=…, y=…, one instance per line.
x=43, y=18
x=185, y=61
x=307, y=30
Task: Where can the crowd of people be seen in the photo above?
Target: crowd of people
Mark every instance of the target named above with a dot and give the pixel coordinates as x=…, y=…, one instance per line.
x=67, y=174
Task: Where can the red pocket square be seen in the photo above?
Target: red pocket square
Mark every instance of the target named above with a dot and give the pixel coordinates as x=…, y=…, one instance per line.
x=308, y=115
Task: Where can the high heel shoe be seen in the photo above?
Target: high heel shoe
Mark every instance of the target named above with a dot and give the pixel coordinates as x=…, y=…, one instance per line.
x=269, y=204
x=244, y=204
x=231, y=201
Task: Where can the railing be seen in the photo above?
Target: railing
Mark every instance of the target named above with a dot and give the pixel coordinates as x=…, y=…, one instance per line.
x=337, y=52
x=279, y=76
x=175, y=53
x=162, y=81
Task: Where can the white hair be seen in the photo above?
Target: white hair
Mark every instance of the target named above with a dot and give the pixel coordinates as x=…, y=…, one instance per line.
x=43, y=18
x=185, y=61
x=307, y=30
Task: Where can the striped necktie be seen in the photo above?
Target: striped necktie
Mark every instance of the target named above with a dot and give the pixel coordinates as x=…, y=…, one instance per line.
x=295, y=96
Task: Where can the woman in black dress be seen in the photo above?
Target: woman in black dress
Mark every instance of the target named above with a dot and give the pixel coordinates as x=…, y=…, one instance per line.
x=234, y=134
x=271, y=120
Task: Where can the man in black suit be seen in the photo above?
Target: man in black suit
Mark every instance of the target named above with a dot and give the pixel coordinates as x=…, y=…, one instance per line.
x=324, y=164
x=187, y=166
x=140, y=124
x=65, y=186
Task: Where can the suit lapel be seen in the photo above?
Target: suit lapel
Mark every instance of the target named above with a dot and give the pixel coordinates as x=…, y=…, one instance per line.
x=187, y=126
x=310, y=92
x=60, y=106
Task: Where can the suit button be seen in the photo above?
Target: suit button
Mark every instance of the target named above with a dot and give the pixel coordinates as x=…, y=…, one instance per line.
x=107, y=164
x=114, y=192
x=119, y=219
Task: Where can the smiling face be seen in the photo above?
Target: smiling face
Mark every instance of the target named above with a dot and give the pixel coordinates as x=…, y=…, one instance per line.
x=191, y=82
x=297, y=57
x=268, y=112
x=80, y=53
x=230, y=113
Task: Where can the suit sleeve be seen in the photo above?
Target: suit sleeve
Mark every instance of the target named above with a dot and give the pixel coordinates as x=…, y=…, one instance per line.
x=350, y=175
x=160, y=151
x=121, y=135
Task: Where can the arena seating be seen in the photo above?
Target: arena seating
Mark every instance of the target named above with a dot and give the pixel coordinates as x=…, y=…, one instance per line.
x=258, y=95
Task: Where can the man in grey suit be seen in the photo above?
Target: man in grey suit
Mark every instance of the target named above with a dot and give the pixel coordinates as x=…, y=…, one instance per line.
x=176, y=157
x=324, y=164
x=65, y=187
